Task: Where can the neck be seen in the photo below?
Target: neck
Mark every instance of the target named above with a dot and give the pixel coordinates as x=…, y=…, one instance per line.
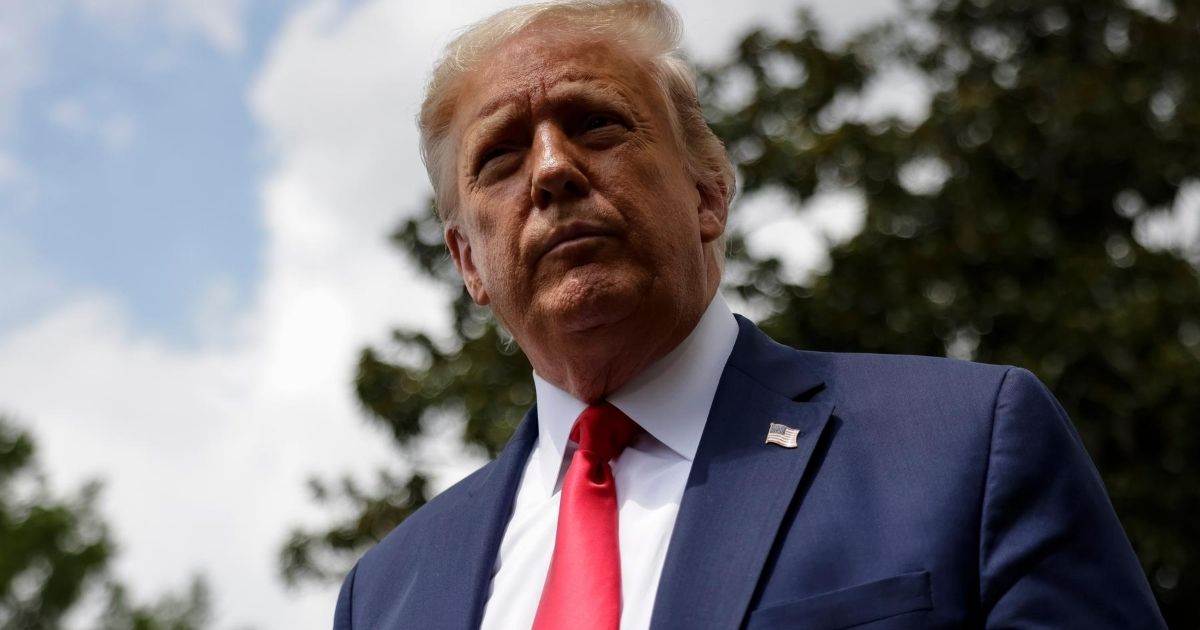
x=593, y=364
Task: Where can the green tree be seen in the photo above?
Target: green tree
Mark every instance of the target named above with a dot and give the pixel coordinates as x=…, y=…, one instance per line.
x=186, y=611
x=49, y=549
x=1008, y=226
x=55, y=551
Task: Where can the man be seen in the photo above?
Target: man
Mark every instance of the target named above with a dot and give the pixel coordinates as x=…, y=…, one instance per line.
x=680, y=469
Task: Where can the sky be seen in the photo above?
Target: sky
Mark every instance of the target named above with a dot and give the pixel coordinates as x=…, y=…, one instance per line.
x=195, y=198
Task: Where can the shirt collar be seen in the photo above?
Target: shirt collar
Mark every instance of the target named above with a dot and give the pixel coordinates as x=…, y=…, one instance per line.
x=670, y=399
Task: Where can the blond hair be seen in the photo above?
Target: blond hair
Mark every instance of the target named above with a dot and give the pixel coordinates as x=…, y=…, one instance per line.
x=649, y=26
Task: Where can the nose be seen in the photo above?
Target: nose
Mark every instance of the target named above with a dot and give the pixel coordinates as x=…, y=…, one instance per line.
x=556, y=173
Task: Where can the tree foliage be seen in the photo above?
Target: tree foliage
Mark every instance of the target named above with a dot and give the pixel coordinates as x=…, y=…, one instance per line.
x=55, y=551
x=1020, y=222
x=185, y=611
x=49, y=549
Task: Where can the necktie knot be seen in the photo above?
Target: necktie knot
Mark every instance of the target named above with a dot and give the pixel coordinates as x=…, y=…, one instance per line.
x=604, y=431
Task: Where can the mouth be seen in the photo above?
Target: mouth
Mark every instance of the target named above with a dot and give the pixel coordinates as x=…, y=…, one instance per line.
x=574, y=233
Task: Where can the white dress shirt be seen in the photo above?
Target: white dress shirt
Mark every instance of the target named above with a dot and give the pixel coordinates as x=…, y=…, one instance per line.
x=670, y=400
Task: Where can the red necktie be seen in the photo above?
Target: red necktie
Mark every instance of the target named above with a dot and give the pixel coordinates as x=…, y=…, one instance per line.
x=583, y=587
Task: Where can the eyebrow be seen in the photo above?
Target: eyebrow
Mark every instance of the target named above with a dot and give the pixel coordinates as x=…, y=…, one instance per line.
x=500, y=110
x=502, y=113
x=589, y=91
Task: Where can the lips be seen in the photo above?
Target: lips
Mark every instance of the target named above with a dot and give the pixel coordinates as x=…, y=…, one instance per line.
x=570, y=232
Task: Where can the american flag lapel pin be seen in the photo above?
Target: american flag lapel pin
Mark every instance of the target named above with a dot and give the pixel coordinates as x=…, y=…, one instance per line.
x=782, y=435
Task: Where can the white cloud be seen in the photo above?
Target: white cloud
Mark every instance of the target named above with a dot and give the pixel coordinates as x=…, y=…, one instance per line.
x=799, y=239
x=104, y=401
x=205, y=450
x=96, y=119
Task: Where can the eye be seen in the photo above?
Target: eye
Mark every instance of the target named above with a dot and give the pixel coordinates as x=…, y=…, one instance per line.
x=599, y=121
x=494, y=157
x=493, y=153
x=602, y=130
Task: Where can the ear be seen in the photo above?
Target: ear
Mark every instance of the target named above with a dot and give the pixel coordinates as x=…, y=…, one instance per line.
x=460, y=251
x=712, y=210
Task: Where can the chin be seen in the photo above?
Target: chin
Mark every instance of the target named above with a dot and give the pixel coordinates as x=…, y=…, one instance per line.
x=584, y=304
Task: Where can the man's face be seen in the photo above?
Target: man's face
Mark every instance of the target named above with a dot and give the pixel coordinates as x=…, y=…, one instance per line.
x=575, y=207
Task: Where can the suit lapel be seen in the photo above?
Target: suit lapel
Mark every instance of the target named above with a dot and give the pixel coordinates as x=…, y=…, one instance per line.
x=740, y=487
x=488, y=508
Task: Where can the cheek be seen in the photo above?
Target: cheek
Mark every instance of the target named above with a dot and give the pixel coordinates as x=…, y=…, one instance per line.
x=500, y=207
x=498, y=250
x=660, y=198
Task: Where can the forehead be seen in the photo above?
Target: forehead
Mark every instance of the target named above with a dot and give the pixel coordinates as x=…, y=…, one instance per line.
x=533, y=67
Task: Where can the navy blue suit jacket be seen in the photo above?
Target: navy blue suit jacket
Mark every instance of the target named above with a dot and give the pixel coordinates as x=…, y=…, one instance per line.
x=924, y=493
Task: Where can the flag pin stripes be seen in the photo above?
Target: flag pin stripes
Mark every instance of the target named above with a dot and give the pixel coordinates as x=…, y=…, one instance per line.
x=782, y=435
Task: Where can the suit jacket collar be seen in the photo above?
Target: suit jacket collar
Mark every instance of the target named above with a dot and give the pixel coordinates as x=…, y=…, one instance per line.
x=740, y=487
x=489, y=501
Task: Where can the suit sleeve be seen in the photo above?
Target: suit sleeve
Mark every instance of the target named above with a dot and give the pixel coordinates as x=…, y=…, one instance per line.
x=341, y=615
x=1052, y=552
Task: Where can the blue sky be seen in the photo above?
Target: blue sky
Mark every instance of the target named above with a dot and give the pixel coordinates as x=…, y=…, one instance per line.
x=145, y=158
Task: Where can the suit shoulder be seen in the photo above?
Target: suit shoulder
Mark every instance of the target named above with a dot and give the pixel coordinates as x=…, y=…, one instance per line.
x=792, y=371
x=928, y=383
x=905, y=366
